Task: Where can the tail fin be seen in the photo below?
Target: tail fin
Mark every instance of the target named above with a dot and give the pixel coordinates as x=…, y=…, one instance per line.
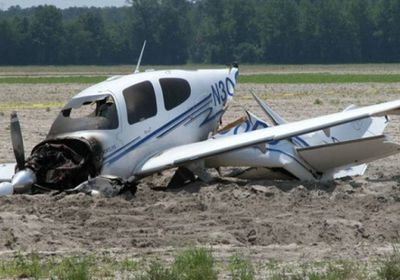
x=275, y=117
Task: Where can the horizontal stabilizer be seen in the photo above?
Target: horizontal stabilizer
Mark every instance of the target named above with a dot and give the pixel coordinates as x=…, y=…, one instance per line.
x=325, y=157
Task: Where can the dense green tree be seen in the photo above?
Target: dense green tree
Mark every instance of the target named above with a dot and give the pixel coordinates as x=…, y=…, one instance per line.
x=388, y=31
x=361, y=16
x=23, y=51
x=165, y=26
x=245, y=40
x=47, y=35
x=204, y=31
x=8, y=42
x=225, y=31
x=93, y=41
x=309, y=47
x=336, y=33
x=279, y=30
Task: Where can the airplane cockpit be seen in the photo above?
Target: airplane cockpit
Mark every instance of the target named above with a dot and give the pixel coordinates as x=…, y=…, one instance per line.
x=97, y=112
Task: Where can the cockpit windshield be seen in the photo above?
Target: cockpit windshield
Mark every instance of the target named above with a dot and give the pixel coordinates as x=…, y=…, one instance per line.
x=97, y=112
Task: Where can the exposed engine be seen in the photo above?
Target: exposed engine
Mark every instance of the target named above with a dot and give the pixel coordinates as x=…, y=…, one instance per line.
x=65, y=163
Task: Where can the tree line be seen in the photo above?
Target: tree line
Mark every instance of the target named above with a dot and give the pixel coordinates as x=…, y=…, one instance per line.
x=204, y=31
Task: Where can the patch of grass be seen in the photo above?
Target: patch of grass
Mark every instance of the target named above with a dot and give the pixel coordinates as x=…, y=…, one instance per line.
x=53, y=80
x=336, y=270
x=157, y=271
x=318, y=78
x=272, y=264
x=318, y=101
x=23, y=267
x=129, y=265
x=390, y=266
x=241, y=269
x=73, y=268
x=32, y=266
x=190, y=264
x=340, y=270
x=195, y=264
x=292, y=78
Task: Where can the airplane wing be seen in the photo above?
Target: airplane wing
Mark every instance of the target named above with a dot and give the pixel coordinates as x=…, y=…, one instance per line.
x=179, y=155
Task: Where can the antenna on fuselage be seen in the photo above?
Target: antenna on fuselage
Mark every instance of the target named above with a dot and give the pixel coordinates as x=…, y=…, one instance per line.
x=140, y=58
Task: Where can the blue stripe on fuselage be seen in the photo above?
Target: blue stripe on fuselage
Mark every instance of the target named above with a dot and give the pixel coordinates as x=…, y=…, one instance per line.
x=185, y=119
x=133, y=144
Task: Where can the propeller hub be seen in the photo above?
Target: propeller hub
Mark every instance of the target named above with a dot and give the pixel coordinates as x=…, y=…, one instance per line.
x=23, y=181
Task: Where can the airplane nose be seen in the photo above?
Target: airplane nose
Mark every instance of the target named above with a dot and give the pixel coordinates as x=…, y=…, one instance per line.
x=23, y=181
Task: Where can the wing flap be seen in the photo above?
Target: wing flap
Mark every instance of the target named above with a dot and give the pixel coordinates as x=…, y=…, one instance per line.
x=325, y=157
x=185, y=153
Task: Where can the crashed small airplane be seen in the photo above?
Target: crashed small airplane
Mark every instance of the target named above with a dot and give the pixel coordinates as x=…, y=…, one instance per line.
x=125, y=128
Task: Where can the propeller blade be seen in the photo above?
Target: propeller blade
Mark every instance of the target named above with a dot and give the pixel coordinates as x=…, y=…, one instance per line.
x=17, y=141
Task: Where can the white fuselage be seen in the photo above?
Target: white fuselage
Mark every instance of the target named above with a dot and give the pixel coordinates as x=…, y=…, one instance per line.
x=131, y=144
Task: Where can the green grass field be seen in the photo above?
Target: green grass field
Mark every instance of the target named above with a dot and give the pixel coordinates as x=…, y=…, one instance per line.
x=193, y=264
x=318, y=78
x=293, y=78
x=262, y=73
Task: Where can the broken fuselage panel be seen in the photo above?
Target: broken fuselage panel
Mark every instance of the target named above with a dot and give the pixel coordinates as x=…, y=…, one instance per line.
x=63, y=161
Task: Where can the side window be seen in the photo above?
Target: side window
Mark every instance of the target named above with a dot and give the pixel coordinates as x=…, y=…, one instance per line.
x=175, y=92
x=140, y=102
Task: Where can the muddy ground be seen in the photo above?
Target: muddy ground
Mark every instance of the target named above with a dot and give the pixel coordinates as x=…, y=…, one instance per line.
x=281, y=220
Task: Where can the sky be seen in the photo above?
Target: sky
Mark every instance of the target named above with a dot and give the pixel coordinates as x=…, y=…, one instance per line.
x=5, y=4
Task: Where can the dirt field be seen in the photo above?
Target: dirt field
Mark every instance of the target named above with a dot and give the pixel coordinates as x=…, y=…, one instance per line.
x=286, y=221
